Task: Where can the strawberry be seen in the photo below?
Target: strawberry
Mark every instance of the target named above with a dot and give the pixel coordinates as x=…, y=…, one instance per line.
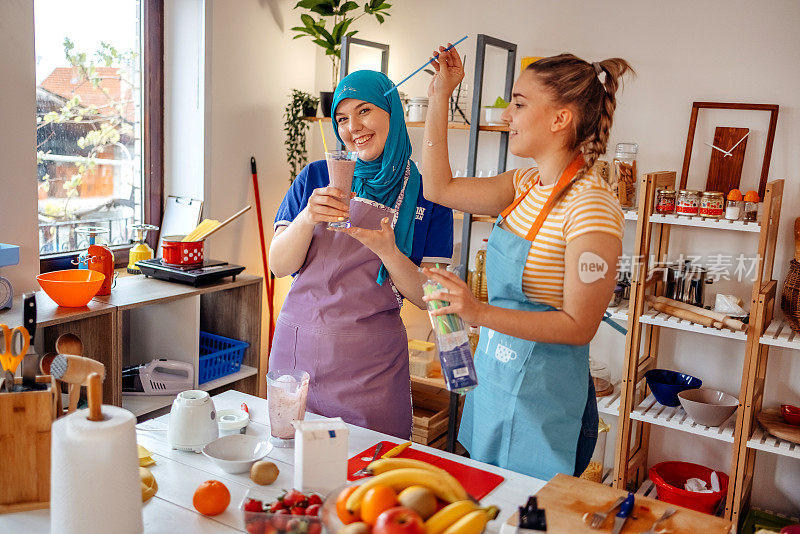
x=313, y=510
x=293, y=498
x=314, y=499
x=314, y=528
x=253, y=505
x=299, y=510
x=277, y=505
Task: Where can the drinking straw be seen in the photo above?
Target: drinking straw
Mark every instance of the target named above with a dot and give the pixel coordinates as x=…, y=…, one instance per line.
x=422, y=67
x=322, y=131
x=445, y=324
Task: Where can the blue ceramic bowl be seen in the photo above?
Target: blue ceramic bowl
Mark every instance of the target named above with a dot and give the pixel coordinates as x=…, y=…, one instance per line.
x=666, y=385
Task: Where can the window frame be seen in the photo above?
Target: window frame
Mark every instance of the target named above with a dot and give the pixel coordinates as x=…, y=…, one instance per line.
x=152, y=137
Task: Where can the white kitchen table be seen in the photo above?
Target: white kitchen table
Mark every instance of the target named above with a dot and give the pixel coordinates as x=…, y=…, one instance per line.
x=178, y=474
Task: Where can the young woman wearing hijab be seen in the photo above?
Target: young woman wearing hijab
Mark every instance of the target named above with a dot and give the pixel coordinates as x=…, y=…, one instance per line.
x=550, y=262
x=340, y=321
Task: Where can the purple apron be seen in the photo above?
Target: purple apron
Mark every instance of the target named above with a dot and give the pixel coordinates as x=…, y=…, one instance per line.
x=345, y=330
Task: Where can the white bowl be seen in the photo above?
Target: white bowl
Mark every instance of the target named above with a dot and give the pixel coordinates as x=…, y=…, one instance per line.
x=708, y=407
x=237, y=453
x=493, y=115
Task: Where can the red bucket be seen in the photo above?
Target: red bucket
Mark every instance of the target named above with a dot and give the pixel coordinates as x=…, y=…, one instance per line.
x=181, y=253
x=669, y=478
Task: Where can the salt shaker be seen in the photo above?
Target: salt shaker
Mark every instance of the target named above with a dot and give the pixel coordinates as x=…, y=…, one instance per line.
x=733, y=209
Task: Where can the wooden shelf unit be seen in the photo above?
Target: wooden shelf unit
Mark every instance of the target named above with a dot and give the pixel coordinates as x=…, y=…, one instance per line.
x=227, y=308
x=644, y=326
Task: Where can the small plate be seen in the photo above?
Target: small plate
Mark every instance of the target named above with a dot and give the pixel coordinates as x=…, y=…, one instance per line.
x=237, y=453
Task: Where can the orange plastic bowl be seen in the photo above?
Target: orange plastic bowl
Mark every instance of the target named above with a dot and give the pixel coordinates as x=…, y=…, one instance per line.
x=72, y=288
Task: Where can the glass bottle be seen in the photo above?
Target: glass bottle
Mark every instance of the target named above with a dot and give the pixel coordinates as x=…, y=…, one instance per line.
x=733, y=208
x=751, y=206
x=596, y=468
x=481, y=291
x=625, y=177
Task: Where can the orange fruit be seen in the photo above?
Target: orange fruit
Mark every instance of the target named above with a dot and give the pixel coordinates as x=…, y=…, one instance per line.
x=376, y=501
x=211, y=497
x=345, y=516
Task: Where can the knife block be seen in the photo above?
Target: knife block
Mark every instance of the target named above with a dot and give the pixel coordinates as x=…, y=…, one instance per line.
x=25, y=420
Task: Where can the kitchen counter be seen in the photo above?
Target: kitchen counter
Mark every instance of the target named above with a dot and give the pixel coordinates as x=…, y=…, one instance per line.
x=178, y=473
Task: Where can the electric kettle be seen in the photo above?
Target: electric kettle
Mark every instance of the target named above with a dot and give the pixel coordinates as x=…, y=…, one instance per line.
x=192, y=421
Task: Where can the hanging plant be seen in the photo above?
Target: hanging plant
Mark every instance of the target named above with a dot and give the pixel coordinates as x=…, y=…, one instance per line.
x=301, y=105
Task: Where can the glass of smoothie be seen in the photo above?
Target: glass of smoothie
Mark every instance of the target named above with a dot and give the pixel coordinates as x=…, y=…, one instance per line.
x=287, y=391
x=341, y=166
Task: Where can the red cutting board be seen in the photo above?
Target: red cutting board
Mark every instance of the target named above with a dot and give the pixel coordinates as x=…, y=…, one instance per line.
x=477, y=482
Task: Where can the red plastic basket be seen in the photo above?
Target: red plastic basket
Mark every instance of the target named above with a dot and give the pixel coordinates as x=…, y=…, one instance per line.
x=669, y=478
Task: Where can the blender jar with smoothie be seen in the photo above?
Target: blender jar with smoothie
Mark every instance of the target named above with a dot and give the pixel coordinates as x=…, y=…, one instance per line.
x=287, y=391
x=341, y=167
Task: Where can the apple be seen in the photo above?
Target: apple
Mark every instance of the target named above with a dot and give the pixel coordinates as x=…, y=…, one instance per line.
x=399, y=520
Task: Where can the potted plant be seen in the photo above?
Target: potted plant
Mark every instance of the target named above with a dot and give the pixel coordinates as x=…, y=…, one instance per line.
x=301, y=105
x=341, y=15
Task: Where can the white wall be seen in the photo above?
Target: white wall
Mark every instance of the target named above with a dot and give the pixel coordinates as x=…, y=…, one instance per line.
x=683, y=51
x=18, y=204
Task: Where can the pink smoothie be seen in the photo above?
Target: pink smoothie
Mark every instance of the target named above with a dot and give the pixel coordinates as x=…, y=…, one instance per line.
x=341, y=172
x=286, y=400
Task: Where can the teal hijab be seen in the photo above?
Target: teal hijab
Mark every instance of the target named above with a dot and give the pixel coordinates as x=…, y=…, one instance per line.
x=381, y=180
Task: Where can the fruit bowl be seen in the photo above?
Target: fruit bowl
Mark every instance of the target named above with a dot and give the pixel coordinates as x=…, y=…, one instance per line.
x=71, y=288
x=666, y=385
x=333, y=524
x=262, y=513
x=708, y=407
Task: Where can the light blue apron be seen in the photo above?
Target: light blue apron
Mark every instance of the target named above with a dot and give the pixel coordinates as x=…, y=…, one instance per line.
x=526, y=413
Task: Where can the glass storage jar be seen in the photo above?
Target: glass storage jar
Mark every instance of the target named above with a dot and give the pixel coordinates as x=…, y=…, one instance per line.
x=665, y=201
x=624, y=180
x=751, y=206
x=733, y=209
x=688, y=202
x=712, y=204
x=596, y=468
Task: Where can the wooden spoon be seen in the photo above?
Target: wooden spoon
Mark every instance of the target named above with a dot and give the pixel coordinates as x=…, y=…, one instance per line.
x=69, y=344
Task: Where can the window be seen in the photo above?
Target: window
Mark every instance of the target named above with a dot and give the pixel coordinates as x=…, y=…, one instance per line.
x=98, y=74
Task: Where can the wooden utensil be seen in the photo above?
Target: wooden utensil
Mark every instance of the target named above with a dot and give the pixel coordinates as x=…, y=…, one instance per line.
x=95, y=396
x=75, y=370
x=223, y=223
x=733, y=324
x=790, y=298
x=683, y=314
x=69, y=344
x=772, y=422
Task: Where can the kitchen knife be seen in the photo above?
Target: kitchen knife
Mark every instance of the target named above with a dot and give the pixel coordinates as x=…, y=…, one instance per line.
x=30, y=364
x=622, y=516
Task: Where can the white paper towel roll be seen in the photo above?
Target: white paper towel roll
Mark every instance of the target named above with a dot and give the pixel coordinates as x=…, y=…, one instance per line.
x=94, y=474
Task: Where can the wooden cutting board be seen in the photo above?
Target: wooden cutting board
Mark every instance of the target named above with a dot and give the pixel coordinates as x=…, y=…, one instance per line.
x=477, y=482
x=773, y=422
x=566, y=499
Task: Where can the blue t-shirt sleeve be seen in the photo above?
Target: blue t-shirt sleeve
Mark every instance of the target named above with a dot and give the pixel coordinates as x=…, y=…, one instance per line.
x=439, y=239
x=313, y=176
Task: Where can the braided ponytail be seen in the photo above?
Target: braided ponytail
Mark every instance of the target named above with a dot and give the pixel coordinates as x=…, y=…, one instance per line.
x=589, y=89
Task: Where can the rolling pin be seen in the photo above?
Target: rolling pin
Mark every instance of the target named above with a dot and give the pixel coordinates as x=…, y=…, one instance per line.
x=733, y=324
x=680, y=313
x=75, y=371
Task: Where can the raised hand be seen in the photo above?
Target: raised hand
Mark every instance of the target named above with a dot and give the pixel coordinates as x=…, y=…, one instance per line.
x=326, y=204
x=457, y=293
x=449, y=72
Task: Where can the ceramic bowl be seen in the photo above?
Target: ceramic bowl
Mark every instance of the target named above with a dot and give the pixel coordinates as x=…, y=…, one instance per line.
x=666, y=385
x=791, y=414
x=237, y=453
x=708, y=407
x=71, y=288
x=493, y=115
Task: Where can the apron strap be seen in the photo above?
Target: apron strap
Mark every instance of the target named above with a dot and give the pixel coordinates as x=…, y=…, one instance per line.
x=566, y=177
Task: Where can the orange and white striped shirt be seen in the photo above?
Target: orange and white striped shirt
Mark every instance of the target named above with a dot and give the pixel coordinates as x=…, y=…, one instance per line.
x=589, y=206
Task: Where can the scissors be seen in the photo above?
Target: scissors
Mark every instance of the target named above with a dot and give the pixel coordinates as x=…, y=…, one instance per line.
x=8, y=357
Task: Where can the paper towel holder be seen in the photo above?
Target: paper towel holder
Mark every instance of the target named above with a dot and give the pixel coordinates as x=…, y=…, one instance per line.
x=95, y=394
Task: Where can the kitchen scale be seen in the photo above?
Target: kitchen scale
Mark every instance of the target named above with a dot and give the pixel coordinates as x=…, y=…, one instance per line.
x=209, y=271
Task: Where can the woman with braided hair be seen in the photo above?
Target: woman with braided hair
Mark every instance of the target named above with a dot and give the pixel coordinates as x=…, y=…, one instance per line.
x=550, y=262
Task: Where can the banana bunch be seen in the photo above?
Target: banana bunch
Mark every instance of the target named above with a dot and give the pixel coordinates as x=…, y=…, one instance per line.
x=460, y=517
x=400, y=473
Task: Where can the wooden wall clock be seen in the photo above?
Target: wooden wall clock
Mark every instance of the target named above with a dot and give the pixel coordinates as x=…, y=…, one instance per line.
x=728, y=148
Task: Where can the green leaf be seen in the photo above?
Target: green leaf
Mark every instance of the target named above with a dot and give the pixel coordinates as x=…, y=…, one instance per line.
x=308, y=20
x=325, y=45
x=323, y=10
x=327, y=36
x=308, y=4
x=348, y=6
x=380, y=18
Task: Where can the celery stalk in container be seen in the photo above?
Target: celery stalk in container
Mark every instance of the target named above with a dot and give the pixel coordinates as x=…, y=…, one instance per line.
x=452, y=339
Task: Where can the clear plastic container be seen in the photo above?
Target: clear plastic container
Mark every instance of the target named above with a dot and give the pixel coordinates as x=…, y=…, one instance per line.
x=625, y=176
x=452, y=338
